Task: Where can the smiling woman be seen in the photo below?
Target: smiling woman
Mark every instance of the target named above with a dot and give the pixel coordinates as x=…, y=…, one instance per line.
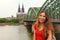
x=43, y=28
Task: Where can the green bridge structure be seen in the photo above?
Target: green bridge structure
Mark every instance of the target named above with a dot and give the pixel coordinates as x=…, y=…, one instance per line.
x=51, y=6
x=53, y=9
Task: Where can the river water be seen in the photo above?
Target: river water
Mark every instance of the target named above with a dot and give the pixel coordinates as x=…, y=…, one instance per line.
x=9, y=32
x=21, y=32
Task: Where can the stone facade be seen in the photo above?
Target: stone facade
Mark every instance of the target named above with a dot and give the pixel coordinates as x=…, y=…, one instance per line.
x=21, y=14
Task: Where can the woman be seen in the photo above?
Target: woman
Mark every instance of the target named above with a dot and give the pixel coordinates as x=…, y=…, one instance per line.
x=42, y=28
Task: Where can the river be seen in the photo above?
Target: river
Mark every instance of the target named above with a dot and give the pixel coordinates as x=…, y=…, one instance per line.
x=21, y=32
x=18, y=32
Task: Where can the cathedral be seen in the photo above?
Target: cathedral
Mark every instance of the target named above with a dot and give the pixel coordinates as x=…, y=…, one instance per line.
x=21, y=13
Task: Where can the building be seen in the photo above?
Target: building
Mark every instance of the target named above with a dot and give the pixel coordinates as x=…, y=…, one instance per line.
x=9, y=18
x=21, y=14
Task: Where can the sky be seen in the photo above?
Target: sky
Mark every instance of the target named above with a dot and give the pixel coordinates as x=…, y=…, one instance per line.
x=9, y=8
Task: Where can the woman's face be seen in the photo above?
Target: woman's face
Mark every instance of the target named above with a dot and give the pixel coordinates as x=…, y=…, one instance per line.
x=42, y=17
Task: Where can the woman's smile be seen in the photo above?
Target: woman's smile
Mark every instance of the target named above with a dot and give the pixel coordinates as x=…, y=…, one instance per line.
x=42, y=17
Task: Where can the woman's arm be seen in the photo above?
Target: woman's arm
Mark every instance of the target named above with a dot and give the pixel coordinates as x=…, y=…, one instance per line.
x=49, y=35
x=34, y=36
x=33, y=32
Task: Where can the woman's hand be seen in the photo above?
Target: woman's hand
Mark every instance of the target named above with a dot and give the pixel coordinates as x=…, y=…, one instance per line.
x=49, y=35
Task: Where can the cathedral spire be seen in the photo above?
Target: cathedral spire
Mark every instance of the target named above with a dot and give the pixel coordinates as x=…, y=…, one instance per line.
x=22, y=8
x=19, y=8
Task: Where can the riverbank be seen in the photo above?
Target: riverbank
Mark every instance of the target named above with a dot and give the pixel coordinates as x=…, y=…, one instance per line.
x=3, y=24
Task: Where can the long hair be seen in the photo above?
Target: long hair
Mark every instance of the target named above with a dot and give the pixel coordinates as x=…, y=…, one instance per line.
x=48, y=23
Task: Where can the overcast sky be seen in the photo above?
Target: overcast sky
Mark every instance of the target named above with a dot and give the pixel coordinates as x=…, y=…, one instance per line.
x=10, y=7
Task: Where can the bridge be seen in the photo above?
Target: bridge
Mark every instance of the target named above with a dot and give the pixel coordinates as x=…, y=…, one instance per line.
x=51, y=6
x=53, y=9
